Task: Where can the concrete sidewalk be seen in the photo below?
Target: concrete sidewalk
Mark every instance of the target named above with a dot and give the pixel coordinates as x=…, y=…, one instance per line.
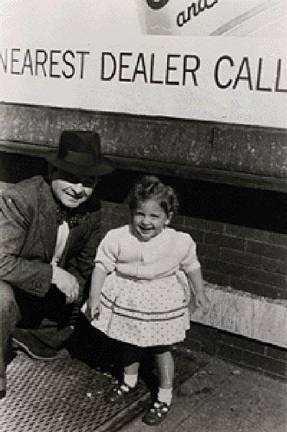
x=67, y=395
x=222, y=397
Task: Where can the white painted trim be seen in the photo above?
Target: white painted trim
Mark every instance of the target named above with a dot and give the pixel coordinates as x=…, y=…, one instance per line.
x=245, y=314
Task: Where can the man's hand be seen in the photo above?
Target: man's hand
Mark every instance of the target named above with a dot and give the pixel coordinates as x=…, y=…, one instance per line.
x=66, y=283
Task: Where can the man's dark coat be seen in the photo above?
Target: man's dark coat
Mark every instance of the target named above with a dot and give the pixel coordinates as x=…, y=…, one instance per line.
x=28, y=231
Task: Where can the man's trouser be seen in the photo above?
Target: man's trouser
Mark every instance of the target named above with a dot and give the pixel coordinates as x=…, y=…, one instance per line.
x=49, y=318
x=9, y=316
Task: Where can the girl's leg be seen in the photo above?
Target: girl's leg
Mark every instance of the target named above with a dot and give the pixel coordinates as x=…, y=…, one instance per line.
x=131, y=360
x=131, y=363
x=165, y=365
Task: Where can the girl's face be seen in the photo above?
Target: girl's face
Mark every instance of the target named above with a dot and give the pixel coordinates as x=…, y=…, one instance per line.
x=149, y=219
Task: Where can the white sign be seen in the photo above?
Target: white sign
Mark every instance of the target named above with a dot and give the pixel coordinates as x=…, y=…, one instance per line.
x=213, y=60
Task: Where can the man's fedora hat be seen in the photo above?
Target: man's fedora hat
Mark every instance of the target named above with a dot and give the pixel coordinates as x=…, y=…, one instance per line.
x=79, y=153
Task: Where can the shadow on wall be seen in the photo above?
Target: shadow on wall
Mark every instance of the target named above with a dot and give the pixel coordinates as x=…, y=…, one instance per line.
x=254, y=208
x=248, y=207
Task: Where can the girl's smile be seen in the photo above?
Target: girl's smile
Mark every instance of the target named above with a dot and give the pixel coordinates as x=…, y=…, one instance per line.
x=149, y=219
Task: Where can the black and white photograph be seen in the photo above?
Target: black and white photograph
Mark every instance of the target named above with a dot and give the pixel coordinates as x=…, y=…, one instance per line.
x=143, y=207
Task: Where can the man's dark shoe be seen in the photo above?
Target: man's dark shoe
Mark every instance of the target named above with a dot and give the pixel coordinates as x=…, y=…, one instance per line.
x=24, y=341
x=2, y=387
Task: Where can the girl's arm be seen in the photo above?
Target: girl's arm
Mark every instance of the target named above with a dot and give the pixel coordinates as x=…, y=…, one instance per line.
x=93, y=303
x=195, y=281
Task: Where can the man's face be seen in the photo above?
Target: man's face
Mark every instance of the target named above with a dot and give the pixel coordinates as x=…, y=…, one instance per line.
x=72, y=190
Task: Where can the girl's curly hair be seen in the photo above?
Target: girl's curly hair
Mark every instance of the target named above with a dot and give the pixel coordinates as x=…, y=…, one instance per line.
x=151, y=187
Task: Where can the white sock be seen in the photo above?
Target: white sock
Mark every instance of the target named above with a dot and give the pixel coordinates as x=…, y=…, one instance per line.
x=130, y=380
x=164, y=395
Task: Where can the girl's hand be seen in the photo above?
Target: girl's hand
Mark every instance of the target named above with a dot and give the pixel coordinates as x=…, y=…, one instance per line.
x=93, y=308
x=203, y=302
x=93, y=303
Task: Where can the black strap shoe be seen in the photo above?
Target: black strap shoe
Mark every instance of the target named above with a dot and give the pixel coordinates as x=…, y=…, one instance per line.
x=156, y=414
x=118, y=392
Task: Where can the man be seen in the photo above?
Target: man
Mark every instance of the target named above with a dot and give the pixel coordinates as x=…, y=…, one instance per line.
x=49, y=231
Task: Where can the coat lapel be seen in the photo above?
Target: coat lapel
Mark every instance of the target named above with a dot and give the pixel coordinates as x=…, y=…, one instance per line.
x=48, y=220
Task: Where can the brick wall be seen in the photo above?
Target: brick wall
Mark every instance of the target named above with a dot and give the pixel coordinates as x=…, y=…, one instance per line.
x=247, y=259
x=264, y=358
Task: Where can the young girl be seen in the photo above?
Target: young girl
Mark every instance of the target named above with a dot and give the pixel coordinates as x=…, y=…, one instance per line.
x=138, y=295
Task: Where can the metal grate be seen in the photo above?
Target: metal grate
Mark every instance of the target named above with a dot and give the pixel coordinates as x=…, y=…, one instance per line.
x=67, y=396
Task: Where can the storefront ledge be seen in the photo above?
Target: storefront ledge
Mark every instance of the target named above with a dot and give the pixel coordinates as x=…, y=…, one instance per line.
x=245, y=314
x=178, y=170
